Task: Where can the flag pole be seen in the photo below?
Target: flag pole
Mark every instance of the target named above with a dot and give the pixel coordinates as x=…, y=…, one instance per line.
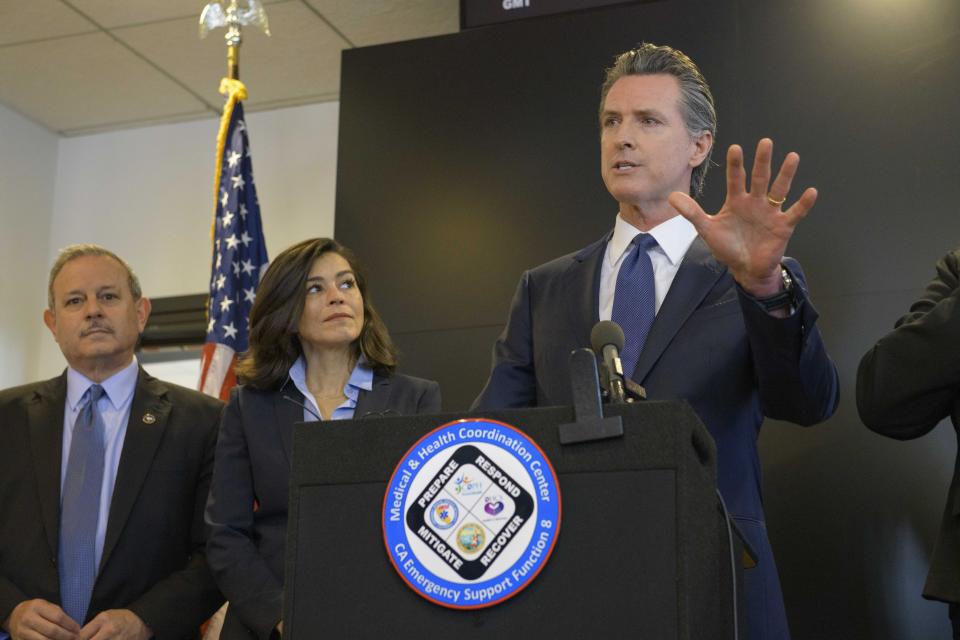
x=233, y=58
x=236, y=234
x=234, y=18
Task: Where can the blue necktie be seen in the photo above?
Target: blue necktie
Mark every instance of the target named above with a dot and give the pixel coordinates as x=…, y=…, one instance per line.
x=80, y=509
x=634, y=300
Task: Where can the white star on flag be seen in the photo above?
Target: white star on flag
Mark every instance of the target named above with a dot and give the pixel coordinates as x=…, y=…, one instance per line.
x=229, y=331
x=245, y=238
x=237, y=182
x=221, y=280
x=247, y=267
x=233, y=159
x=236, y=268
x=225, y=304
x=227, y=219
x=232, y=241
x=243, y=210
x=249, y=295
x=224, y=199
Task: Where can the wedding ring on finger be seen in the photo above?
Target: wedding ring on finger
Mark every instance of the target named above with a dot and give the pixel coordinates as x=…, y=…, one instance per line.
x=775, y=202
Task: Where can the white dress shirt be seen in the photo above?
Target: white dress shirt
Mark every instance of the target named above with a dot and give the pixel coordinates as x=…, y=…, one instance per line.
x=673, y=237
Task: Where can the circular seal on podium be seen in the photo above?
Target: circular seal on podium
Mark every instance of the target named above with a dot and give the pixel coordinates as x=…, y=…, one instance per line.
x=471, y=514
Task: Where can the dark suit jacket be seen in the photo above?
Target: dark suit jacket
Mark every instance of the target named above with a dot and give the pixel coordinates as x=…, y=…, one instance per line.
x=153, y=557
x=710, y=345
x=246, y=547
x=910, y=381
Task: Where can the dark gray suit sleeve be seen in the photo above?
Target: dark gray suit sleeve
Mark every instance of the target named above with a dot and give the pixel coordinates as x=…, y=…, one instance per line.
x=254, y=593
x=14, y=437
x=10, y=597
x=909, y=381
x=10, y=593
x=512, y=381
x=796, y=379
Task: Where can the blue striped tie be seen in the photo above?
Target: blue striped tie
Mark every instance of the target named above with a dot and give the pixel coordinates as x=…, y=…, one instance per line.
x=634, y=300
x=80, y=509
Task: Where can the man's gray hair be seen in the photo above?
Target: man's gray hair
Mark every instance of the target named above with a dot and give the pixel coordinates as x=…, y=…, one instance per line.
x=696, y=101
x=75, y=251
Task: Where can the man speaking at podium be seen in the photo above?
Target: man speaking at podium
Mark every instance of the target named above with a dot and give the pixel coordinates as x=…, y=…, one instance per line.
x=712, y=310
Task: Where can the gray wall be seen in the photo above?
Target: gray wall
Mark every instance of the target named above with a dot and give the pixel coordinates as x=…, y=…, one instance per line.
x=468, y=158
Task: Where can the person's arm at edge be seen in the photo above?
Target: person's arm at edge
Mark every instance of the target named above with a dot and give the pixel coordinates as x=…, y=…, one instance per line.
x=909, y=380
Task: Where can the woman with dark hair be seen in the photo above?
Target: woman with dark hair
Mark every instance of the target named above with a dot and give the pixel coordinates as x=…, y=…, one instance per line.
x=318, y=351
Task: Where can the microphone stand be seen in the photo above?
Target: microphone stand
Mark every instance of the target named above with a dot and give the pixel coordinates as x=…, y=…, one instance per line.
x=589, y=423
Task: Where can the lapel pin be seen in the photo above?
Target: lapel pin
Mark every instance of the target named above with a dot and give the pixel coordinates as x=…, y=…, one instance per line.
x=149, y=418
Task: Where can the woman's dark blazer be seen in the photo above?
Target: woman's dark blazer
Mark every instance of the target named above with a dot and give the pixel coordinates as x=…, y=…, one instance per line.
x=246, y=546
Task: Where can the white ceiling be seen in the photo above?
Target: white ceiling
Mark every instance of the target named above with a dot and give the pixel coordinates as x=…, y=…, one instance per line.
x=82, y=66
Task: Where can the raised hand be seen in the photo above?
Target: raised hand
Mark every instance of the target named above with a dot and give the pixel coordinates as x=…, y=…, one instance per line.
x=751, y=231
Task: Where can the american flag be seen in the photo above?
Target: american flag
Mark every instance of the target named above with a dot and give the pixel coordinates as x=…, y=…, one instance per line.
x=239, y=259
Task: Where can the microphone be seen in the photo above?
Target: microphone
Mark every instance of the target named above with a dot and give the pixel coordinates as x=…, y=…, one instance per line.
x=300, y=404
x=607, y=339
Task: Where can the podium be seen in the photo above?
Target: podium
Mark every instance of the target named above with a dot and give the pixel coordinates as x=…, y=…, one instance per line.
x=644, y=548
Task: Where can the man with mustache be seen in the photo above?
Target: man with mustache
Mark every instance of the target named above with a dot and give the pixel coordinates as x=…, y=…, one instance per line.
x=104, y=473
x=712, y=310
